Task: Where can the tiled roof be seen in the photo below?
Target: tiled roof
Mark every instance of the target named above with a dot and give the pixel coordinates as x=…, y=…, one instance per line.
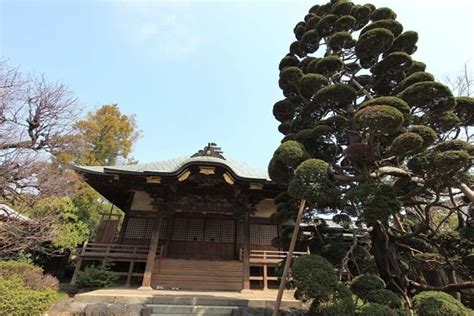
x=174, y=166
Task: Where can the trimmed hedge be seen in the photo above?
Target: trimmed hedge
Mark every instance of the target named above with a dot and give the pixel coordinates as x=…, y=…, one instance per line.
x=25, y=290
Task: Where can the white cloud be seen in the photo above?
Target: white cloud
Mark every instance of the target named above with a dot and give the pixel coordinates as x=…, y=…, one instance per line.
x=162, y=29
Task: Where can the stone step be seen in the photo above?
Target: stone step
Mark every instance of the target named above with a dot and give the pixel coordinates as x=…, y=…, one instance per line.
x=196, y=300
x=189, y=310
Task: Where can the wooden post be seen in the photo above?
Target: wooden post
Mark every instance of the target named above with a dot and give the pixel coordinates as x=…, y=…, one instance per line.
x=265, y=271
x=130, y=272
x=246, y=251
x=288, y=258
x=79, y=263
x=150, y=260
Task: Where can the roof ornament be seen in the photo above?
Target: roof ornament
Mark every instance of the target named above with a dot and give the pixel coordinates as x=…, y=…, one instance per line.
x=211, y=150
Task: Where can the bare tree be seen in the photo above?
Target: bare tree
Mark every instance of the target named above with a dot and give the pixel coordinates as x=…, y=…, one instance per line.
x=36, y=121
x=463, y=83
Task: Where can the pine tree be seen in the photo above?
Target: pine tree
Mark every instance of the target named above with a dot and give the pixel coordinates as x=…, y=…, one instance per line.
x=369, y=133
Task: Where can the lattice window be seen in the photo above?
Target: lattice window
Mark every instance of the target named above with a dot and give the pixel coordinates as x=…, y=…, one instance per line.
x=136, y=228
x=262, y=234
x=213, y=230
x=228, y=231
x=267, y=233
x=180, y=229
x=195, y=229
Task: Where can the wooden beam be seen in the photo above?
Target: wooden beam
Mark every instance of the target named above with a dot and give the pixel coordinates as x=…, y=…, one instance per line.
x=150, y=261
x=246, y=251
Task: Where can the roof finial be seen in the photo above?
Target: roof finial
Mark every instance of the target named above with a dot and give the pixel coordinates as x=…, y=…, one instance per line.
x=211, y=150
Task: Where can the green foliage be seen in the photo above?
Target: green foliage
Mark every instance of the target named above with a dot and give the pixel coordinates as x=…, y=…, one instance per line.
x=288, y=61
x=428, y=95
x=465, y=110
x=371, y=44
x=395, y=102
x=31, y=275
x=374, y=126
x=290, y=78
x=25, y=290
x=374, y=309
x=314, y=277
x=443, y=121
x=339, y=303
x=311, y=182
x=427, y=134
x=70, y=227
x=379, y=118
x=106, y=134
x=385, y=297
x=97, y=277
x=333, y=96
x=383, y=14
x=362, y=285
x=431, y=303
x=328, y=65
x=312, y=83
x=406, y=143
x=283, y=110
x=416, y=77
x=18, y=299
x=341, y=40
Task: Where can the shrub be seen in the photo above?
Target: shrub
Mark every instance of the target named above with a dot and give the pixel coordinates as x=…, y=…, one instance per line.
x=31, y=275
x=385, y=297
x=314, y=277
x=432, y=303
x=364, y=284
x=18, y=299
x=340, y=303
x=374, y=309
x=97, y=276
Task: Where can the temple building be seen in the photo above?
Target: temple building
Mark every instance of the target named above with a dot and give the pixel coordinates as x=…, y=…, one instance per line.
x=196, y=222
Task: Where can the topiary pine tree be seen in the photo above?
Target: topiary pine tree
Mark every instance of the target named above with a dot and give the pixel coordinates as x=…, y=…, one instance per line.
x=369, y=133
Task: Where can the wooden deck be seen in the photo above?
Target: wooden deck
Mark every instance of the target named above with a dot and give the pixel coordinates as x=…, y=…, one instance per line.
x=189, y=274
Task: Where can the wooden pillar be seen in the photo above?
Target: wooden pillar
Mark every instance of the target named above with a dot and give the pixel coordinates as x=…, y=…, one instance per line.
x=150, y=260
x=246, y=251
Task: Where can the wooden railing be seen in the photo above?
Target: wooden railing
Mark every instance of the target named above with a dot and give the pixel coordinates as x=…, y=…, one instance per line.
x=268, y=258
x=271, y=256
x=114, y=250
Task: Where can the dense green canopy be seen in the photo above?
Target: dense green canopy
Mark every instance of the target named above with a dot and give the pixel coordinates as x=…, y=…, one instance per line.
x=371, y=134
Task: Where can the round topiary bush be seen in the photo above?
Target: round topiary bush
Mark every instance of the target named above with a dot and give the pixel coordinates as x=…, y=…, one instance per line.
x=314, y=277
x=427, y=133
x=395, y=102
x=311, y=182
x=406, y=143
x=362, y=285
x=379, y=118
x=374, y=309
x=340, y=303
x=385, y=297
x=432, y=303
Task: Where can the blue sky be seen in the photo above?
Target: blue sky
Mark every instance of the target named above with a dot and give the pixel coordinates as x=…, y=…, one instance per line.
x=197, y=71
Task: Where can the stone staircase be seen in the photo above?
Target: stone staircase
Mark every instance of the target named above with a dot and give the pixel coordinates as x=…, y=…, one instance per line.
x=198, y=275
x=167, y=306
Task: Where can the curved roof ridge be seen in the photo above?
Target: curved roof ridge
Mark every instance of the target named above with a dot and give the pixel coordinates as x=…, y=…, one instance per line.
x=172, y=166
